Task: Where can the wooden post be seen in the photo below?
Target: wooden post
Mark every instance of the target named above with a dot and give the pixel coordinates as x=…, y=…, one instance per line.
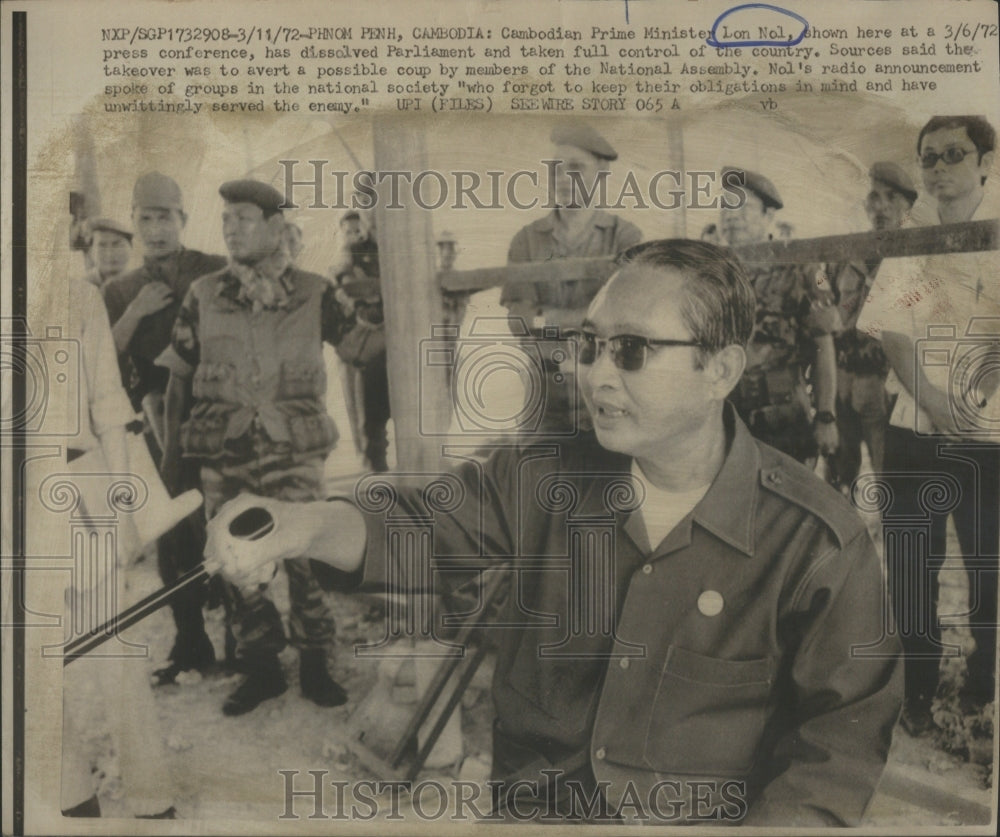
x=677, y=217
x=418, y=392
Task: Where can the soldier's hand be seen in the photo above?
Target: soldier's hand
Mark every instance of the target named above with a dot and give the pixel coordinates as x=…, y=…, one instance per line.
x=346, y=302
x=152, y=298
x=827, y=437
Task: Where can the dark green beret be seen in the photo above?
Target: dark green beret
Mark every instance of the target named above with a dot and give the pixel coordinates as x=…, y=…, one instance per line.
x=581, y=135
x=759, y=185
x=894, y=177
x=259, y=194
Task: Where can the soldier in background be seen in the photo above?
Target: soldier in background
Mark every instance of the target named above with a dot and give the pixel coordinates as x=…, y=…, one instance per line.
x=109, y=251
x=363, y=350
x=142, y=306
x=795, y=323
x=862, y=367
x=447, y=247
x=247, y=346
x=572, y=229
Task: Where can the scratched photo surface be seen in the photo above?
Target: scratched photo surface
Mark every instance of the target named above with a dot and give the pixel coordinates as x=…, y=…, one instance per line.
x=649, y=350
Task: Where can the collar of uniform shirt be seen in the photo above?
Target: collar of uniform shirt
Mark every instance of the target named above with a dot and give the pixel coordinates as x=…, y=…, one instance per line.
x=729, y=506
x=662, y=509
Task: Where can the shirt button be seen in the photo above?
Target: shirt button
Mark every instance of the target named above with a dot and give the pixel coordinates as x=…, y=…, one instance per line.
x=600, y=754
x=647, y=568
x=623, y=662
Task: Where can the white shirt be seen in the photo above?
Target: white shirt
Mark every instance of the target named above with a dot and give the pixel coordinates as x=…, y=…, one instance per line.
x=662, y=510
x=946, y=305
x=102, y=399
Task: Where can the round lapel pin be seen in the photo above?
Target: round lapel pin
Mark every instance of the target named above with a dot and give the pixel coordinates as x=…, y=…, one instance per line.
x=710, y=603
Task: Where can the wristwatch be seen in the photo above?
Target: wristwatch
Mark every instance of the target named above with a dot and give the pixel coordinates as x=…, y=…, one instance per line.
x=824, y=417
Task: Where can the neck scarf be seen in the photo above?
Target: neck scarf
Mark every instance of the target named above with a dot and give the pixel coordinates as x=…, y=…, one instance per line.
x=260, y=284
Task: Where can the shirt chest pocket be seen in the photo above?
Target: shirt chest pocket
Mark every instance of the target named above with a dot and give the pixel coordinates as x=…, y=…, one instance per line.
x=708, y=714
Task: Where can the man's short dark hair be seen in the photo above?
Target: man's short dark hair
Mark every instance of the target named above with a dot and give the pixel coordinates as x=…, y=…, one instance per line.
x=350, y=216
x=980, y=131
x=719, y=302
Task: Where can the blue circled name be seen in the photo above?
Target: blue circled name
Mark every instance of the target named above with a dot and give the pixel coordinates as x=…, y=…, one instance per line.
x=713, y=40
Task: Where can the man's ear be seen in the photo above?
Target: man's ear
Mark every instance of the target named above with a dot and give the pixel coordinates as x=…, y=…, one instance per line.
x=183, y=217
x=986, y=164
x=276, y=223
x=725, y=369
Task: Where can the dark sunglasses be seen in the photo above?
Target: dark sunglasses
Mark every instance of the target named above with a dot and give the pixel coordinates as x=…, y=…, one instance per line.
x=628, y=351
x=952, y=156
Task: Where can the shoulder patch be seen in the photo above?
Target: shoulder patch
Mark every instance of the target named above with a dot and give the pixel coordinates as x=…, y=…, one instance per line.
x=782, y=475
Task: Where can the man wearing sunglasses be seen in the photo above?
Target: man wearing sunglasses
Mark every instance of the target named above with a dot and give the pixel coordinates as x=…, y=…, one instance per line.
x=793, y=334
x=685, y=636
x=943, y=430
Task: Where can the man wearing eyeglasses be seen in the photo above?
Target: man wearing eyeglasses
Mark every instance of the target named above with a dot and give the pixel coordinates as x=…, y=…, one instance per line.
x=795, y=323
x=941, y=456
x=685, y=637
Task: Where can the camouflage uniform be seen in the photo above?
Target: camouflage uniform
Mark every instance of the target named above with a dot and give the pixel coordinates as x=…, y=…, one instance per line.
x=794, y=306
x=862, y=367
x=259, y=425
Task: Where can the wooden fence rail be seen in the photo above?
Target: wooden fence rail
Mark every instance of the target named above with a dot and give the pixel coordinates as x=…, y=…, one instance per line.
x=966, y=237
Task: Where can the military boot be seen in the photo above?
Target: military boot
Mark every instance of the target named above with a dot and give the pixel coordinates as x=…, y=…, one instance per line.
x=188, y=654
x=317, y=685
x=264, y=680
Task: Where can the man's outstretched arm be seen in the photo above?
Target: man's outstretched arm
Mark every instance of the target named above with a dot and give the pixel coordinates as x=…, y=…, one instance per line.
x=332, y=532
x=471, y=535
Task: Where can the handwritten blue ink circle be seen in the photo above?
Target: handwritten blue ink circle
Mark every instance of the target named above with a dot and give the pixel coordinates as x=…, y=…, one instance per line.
x=715, y=42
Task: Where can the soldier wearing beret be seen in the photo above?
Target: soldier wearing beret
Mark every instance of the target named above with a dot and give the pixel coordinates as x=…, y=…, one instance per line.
x=572, y=229
x=862, y=367
x=248, y=341
x=142, y=306
x=108, y=251
x=795, y=323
